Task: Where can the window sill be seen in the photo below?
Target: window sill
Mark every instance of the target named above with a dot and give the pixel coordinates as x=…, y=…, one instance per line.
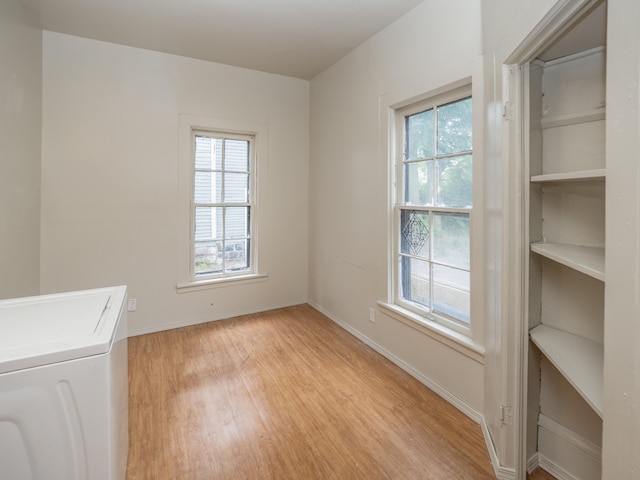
x=442, y=334
x=220, y=282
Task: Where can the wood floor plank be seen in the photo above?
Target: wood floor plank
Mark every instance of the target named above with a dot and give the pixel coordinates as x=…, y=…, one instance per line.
x=287, y=394
x=540, y=474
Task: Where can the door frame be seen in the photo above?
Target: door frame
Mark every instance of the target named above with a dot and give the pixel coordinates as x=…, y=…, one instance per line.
x=563, y=15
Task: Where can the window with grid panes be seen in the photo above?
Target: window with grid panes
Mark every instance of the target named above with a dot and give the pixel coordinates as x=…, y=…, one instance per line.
x=433, y=205
x=223, y=212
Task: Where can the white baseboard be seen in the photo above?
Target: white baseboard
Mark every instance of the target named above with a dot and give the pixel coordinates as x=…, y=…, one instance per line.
x=212, y=318
x=565, y=454
x=533, y=462
x=502, y=473
x=554, y=469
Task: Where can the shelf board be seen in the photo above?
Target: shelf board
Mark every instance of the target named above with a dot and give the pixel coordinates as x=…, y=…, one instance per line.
x=577, y=176
x=573, y=118
x=578, y=359
x=587, y=260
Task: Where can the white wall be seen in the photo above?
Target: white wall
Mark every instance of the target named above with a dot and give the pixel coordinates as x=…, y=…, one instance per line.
x=621, y=435
x=20, y=129
x=110, y=208
x=436, y=44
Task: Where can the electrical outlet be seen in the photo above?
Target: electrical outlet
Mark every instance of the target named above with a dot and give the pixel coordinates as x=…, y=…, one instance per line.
x=372, y=315
x=132, y=304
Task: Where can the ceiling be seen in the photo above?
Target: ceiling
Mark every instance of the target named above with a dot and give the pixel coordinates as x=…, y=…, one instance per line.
x=298, y=38
x=590, y=31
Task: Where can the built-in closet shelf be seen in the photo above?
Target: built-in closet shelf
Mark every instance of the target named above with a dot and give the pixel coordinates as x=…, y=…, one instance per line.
x=587, y=260
x=578, y=359
x=573, y=118
x=578, y=176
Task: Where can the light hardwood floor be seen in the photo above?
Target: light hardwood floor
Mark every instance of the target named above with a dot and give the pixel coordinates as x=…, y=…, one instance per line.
x=539, y=474
x=287, y=394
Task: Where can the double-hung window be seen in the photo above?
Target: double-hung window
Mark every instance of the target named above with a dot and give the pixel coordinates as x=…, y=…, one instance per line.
x=222, y=206
x=433, y=201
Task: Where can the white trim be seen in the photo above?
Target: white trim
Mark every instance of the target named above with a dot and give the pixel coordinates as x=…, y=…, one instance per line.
x=214, y=318
x=516, y=252
x=250, y=203
x=397, y=100
x=578, y=441
x=393, y=107
x=501, y=473
x=584, y=455
x=533, y=462
x=554, y=469
x=435, y=387
x=220, y=282
x=439, y=332
x=426, y=209
x=186, y=125
x=574, y=56
x=558, y=19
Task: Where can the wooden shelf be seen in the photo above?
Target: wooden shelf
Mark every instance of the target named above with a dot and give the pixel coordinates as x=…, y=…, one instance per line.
x=587, y=260
x=578, y=176
x=578, y=359
x=573, y=118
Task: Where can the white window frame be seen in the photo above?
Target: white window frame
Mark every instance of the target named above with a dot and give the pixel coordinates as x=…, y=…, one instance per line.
x=439, y=82
x=189, y=126
x=250, y=203
x=399, y=205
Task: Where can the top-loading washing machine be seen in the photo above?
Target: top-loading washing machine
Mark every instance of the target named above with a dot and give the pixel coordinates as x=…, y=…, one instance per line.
x=64, y=386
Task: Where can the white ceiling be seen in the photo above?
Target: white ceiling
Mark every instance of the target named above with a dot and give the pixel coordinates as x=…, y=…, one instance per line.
x=298, y=38
x=590, y=32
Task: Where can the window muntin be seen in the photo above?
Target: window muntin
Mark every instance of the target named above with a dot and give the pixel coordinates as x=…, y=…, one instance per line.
x=433, y=207
x=223, y=210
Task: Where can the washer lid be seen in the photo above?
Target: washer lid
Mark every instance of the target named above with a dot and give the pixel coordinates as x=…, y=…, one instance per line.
x=48, y=329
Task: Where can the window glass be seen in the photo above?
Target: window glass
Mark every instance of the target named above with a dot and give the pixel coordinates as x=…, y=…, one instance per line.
x=419, y=135
x=451, y=239
x=236, y=156
x=454, y=127
x=451, y=292
x=222, y=204
x=419, y=185
x=207, y=258
x=415, y=281
x=455, y=181
x=207, y=187
x=415, y=230
x=236, y=187
x=434, y=201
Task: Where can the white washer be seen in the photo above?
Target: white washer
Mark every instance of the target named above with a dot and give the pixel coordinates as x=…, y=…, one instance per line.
x=64, y=386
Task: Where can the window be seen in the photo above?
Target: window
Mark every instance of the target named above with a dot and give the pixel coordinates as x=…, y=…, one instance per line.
x=222, y=208
x=433, y=201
